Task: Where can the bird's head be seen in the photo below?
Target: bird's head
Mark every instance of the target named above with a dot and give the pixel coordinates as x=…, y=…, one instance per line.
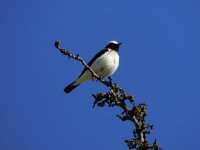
x=114, y=45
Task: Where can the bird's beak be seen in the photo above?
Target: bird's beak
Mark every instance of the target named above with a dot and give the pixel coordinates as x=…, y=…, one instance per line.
x=119, y=43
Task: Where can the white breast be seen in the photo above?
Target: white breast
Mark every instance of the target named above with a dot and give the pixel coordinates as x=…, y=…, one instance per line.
x=107, y=64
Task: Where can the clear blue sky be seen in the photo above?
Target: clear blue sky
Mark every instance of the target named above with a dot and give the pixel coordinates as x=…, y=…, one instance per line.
x=159, y=65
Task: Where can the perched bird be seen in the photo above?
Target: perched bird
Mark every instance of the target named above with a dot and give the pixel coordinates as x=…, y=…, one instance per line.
x=104, y=64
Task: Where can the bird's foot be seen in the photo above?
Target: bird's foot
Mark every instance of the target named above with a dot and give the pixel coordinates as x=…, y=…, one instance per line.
x=100, y=78
x=109, y=78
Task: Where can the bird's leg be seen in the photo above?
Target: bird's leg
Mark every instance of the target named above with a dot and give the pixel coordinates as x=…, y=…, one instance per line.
x=110, y=79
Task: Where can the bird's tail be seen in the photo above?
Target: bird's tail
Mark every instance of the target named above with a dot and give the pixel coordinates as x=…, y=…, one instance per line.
x=70, y=87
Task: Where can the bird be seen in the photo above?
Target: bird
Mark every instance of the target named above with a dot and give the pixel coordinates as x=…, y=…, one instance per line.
x=104, y=64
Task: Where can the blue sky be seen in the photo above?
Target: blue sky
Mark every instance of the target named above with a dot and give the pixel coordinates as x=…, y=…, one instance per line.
x=159, y=65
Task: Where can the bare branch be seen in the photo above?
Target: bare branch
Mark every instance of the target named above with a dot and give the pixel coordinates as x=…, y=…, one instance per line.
x=117, y=96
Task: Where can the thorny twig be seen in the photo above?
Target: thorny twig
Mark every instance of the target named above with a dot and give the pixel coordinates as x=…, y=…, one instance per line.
x=118, y=97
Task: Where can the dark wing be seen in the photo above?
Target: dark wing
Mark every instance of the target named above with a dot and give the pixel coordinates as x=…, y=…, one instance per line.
x=94, y=58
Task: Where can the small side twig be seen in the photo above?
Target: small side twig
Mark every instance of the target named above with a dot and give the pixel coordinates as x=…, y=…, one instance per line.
x=118, y=97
